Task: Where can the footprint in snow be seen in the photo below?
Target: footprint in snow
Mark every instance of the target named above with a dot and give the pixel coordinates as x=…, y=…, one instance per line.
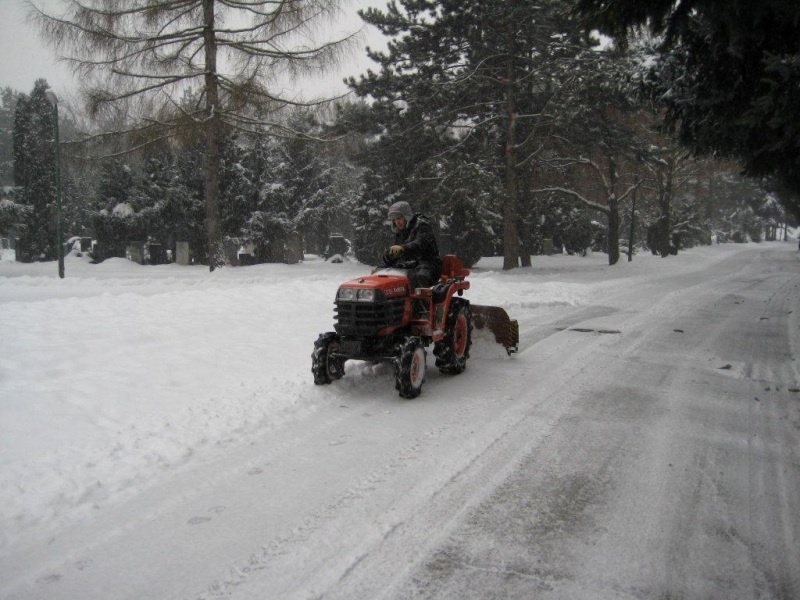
x=199, y=520
x=83, y=564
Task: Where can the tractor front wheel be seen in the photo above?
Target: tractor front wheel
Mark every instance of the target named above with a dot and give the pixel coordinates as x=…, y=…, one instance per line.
x=410, y=368
x=325, y=364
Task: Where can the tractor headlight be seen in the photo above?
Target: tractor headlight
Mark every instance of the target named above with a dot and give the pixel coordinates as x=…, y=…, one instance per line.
x=349, y=294
x=346, y=294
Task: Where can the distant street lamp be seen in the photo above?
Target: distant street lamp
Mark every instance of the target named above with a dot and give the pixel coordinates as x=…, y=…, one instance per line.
x=53, y=100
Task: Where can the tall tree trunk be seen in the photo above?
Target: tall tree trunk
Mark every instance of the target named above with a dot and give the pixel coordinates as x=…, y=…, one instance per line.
x=527, y=227
x=613, y=214
x=510, y=240
x=526, y=245
x=212, y=130
x=665, y=221
x=613, y=230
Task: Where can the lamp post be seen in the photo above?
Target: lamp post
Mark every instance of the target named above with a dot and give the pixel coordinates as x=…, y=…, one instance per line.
x=53, y=100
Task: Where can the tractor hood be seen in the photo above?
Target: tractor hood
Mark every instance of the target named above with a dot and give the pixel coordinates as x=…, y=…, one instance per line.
x=384, y=284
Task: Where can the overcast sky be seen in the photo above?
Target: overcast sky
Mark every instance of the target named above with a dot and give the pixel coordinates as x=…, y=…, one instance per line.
x=24, y=57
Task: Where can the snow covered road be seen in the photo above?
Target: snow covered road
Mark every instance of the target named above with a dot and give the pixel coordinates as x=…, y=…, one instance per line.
x=670, y=468
x=162, y=438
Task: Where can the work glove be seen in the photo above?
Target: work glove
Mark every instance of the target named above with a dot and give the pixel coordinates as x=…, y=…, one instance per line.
x=395, y=251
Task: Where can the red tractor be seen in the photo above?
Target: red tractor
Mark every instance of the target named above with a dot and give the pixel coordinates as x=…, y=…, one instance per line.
x=379, y=318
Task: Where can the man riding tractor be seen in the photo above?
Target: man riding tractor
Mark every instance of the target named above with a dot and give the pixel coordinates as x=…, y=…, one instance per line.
x=414, y=243
x=413, y=301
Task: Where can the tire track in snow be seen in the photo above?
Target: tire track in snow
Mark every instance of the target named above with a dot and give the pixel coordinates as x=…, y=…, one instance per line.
x=368, y=515
x=282, y=553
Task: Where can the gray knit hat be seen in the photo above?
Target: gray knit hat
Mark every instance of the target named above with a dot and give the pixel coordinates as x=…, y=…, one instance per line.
x=401, y=209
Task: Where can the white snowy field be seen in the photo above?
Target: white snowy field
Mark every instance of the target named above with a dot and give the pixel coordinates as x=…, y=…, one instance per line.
x=131, y=396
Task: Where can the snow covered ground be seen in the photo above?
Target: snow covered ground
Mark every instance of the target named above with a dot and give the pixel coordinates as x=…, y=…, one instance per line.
x=128, y=391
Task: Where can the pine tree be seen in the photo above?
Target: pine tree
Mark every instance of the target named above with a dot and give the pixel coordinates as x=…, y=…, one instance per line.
x=471, y=79
x=9, y=98
x=34, y=168
x=115, y=223
x=153, y=51
x=727, y=73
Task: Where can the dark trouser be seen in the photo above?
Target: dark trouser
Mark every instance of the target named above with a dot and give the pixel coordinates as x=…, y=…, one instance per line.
x=423, y=275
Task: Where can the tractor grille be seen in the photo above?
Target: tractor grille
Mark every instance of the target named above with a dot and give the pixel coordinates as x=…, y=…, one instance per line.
x=368, y=318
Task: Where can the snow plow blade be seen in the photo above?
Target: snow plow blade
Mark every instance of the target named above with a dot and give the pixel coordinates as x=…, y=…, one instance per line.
x=496, y=320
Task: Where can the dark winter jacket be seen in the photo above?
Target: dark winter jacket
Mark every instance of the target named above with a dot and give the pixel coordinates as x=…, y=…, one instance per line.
x=419, y=245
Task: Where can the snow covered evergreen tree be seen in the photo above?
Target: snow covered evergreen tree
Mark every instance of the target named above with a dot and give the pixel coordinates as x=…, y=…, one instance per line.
x=115, y=222
x=727, y=73
x=34, y=168
x=471, y=82
x=8, y=104
x=235, y=52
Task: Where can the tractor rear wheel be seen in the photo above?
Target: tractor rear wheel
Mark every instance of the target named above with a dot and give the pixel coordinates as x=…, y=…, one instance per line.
x=325, y=365
x=409, y=368
x=453, y=351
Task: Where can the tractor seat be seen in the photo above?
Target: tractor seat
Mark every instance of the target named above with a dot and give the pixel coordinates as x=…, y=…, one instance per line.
x=452, y=268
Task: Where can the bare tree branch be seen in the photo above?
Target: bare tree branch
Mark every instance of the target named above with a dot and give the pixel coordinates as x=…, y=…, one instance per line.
x=230, y=51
